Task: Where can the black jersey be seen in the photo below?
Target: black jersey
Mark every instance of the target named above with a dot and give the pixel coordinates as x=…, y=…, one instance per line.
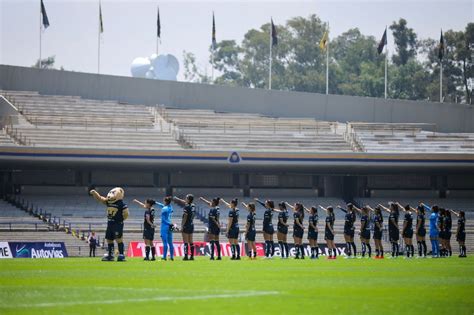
x=461, y=225
x=330, y=218
x=364, y=223
x=267, y=217
x=378, y=220
x=448, y=224
x=441, y=222
x=349, y=220
x=251, y=221
x=409, y=221
x=115, y=211
x=151, y=214
x=420, y=219
x=213, y=216
x=313, y=219
x=393, y=217
x=190, y=211
x=282, y=216
x=234, y=214
x=298, y=218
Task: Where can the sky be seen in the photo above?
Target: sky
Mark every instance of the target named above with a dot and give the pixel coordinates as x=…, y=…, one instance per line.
x=130, y=26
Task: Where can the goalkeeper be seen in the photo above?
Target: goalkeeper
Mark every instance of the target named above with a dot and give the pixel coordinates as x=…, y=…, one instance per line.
x=166, y=230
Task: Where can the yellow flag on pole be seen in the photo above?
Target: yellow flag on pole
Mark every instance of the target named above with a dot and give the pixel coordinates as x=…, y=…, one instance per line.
x=324, y=41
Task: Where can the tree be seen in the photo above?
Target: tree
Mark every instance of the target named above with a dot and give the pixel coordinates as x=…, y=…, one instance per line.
x=405, y=41
x=47, y=63
x=191, y=71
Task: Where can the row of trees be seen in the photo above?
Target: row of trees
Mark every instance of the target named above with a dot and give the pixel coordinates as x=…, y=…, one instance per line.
x=355, y=67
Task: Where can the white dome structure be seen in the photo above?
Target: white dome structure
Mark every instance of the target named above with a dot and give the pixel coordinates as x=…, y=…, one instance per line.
x=160, y=67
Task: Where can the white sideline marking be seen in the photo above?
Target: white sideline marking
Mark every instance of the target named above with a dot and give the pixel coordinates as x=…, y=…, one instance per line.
x=236, y=294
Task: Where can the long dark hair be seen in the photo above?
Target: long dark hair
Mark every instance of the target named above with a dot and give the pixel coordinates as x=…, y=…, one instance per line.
x=150, y=202
x=270, y=204
x=167, y=200
x=215, y=201
x=282, y=206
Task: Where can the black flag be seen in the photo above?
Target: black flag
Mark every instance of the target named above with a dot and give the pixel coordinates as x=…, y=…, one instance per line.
x=214, y=43
x=441, y=47
x=274, y=35
x=45, y=16
x=158, y=24
x=382, y=42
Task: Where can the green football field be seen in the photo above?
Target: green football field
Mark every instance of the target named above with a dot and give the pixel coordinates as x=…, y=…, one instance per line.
x=89, y=286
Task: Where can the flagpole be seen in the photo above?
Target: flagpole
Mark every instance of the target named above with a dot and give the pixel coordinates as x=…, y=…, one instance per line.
x=98, y=43
x=386, y=63
x=40, y=39
x=212, y=65
x=270, y=68
x=441, y=81
x=327, y=59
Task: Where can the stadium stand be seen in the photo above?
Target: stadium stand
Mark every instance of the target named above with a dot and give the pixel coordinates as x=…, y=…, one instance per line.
x=408, y=138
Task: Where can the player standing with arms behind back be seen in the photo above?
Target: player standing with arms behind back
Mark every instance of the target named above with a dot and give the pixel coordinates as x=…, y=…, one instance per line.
x=461, y=233
x=250, y=231
x=214, y=226
x=282, y=230
x=233, y=228
x=187, y=224
x=148, y=227
x=329, y=232
x=393, y=230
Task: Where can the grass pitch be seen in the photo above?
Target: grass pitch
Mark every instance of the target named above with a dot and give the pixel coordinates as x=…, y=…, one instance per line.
x=89, y=286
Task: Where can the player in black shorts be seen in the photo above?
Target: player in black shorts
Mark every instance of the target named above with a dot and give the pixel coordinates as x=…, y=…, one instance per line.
x=365, y=232
x=407, y=231
x=268, y=229
x=448, y=225
x=442, y=232
x=214, y=226
x=117, y=212
x=461, y=233
x=298, y=228
x=313, y=232
x=329, y=232
x=250, y=230
x=148, y=227
x=282, y=229
x=187, y=224
x=421, y=231
x=393, y=230
x=233, y=228
x=378, y=228
x=349, y=228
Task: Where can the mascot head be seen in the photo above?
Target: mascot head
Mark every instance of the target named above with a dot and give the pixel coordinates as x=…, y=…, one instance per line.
x=115, y=194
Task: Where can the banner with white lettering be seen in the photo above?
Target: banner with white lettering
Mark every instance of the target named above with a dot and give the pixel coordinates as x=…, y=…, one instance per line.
x=5, y=251
x=38, y=249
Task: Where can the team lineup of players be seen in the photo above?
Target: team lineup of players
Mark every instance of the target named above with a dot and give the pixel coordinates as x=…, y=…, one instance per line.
x=440, y=224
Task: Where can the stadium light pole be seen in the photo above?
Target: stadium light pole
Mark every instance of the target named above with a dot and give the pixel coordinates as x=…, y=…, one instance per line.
x=327, y=62
x=386, y=64
x=441, y=81
x=40, y=31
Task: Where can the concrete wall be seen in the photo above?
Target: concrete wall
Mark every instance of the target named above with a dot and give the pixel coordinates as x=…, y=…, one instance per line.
x=447, y=117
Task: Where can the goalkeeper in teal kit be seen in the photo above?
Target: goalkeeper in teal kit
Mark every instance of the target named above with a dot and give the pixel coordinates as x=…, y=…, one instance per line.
x=166, y=230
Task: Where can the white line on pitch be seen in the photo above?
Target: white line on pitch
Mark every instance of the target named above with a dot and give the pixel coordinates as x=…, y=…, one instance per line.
x=151, y=299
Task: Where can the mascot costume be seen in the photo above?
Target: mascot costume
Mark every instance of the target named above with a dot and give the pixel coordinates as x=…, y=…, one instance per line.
x=117, y=212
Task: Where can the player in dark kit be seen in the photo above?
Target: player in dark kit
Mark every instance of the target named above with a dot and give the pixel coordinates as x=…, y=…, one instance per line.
x=313, y=232
x=187, y=224
x=349, y=229
x=407, y=231
x=233, y=228
x=148, y=227
x=298, y=228
x=282, y=230
x=250, y=231
x=214, y=226
x=442, y=232
x=365, y=232
x=329, y=232
x=268, y=229
x=393, y=230
x=378, y=227
x=421, y=231
x=461, y=233
x=448, y=225
x=117, y=212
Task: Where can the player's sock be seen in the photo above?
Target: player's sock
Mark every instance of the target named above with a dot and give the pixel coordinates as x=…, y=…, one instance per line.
x=316, y=250
x=120, y=248
x=232, y=248
x=377, y=252
x=370, y=250
x=237, y=250
x=363, y=249
x=153, y=251
x=425, y=248
x=354, y=249
x=450, y=253
x=334, y=250
x=464, y=250
x=287, y=249
x=397, y=249
x=192, y=250
x=419, y=248
x=381, y=253
x=147, y=252
x=282, y=249
x=348, y=247
x=212, y=249
x=407, y=250
x=111, y=249
x=302, y=250
x=412, y=250
x=218, y=247
x=272, y=248
x=185, y=254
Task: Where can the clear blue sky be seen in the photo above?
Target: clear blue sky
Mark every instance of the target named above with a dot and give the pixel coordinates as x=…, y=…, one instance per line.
x=130, y=26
